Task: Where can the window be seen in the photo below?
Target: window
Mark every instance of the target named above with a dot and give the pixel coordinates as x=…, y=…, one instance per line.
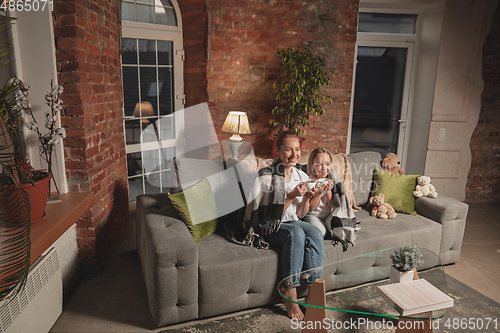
x=149, y=11
x=387, y=23
x=153, y=91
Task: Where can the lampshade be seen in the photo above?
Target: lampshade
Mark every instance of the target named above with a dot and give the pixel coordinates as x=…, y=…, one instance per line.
x=236, y=123
x=144, y=109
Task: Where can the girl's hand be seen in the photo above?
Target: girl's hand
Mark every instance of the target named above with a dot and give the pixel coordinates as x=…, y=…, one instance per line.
x=318, y=189
x=298, y=191
x=328, y=186
x=310, y=194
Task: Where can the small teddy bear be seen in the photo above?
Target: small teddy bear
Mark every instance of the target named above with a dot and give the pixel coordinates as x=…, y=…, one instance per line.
x=424, y=188
x=381, y=209
x=390, y=163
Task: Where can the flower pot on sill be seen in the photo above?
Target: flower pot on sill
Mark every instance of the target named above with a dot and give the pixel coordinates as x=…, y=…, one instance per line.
x=400, y=277
x=38, y=194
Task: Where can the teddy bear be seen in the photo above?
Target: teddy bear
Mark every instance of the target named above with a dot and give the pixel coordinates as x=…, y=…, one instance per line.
x=381, y=209
x=390, y=163
x=424, y=188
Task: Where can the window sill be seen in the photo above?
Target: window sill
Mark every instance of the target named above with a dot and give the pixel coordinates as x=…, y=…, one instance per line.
x=59, y=217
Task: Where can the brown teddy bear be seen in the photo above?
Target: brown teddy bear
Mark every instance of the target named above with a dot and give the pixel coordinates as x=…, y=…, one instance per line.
x=390, y=163
x=381, y=209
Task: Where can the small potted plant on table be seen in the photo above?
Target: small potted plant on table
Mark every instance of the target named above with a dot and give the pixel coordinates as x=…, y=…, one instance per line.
x=404, y=260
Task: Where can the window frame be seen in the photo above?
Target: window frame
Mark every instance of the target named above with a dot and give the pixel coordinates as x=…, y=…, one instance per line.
x=378, y=39
x=148, y=31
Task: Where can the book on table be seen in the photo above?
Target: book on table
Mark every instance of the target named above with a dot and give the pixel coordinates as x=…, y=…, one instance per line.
x=414, y=297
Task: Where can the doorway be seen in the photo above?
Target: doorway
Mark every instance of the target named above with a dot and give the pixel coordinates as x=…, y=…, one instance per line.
x=381, y=108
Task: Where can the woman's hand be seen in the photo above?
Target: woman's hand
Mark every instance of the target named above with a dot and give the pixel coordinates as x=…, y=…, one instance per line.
x=310, y=194
x=298, y=191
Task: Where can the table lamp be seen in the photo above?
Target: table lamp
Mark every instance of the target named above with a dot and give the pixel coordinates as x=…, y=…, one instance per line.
x=236, y=123
x=144, y=109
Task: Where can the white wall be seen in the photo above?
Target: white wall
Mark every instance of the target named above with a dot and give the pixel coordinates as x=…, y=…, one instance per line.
x=35, y=64
x=457, y=100
x=448, y=86
x=430, y=17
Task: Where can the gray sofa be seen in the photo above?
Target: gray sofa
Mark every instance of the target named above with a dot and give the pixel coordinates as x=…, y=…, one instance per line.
x=187, y=281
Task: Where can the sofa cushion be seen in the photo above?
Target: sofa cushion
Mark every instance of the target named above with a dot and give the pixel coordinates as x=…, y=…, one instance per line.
x=362, y=165
x=375, y=234
x=397, y=190
x=233, y=277
x=224, y=182
x=185, y=172
x=196, y=207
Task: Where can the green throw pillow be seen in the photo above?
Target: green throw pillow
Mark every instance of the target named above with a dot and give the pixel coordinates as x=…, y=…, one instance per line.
x=196, y=207
x=397, y=189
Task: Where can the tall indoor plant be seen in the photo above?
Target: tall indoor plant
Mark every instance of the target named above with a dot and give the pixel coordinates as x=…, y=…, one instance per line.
x=303, y=75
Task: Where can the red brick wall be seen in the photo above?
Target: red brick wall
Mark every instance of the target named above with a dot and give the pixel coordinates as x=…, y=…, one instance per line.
x=242, y=66
x=88, y=61
x=194, y=31
x=483, y=183
x=229, y=62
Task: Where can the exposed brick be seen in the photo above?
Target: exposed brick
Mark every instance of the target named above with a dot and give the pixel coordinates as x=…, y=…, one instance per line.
x=483, y=182
x=241, y=65
x=86, y=33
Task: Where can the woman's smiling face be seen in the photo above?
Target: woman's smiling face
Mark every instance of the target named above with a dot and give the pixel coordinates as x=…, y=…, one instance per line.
x=289, y=151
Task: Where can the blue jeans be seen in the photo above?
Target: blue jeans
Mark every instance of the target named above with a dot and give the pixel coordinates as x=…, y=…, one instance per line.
x=316, y=221
x=303, y=249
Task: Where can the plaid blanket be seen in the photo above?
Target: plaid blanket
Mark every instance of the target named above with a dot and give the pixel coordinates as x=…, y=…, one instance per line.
x=262, y=214
x=341, y=223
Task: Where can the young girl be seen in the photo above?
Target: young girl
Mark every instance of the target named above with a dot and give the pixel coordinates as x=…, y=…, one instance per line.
x=320, y=205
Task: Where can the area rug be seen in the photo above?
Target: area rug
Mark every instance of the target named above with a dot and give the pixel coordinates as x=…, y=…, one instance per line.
x=471, y=307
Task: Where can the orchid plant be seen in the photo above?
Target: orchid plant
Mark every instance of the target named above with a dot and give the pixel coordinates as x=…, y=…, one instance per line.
x=406, y=258
x=49, y=139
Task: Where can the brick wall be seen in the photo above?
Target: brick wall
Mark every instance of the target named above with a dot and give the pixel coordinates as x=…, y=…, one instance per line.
x=88, y=62
x=194, y=31
x=483, y=183
x=229, y=62
x=242, y=66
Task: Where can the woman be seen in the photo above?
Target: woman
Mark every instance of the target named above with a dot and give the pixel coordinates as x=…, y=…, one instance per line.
x=278, y=201
x=302, y=242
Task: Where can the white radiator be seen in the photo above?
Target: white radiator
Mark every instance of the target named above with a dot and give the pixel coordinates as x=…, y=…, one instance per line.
x=37, y=307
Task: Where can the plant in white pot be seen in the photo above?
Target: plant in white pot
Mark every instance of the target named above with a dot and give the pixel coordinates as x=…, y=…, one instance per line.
x=404, y=260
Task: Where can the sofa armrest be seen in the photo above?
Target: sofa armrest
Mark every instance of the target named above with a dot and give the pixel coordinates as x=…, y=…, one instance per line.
x=169, y=259
x=452, y=215
x=441, y=209
x=150, y=202
x=147, y=201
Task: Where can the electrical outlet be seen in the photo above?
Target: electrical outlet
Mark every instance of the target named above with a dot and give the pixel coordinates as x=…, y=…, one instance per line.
x=442, y=134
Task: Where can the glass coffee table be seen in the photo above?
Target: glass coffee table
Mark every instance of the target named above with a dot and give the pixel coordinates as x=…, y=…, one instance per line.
x=419, y=301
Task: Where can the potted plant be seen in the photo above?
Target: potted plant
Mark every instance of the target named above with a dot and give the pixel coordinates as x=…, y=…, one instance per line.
x=17, y=173
x=404, y=260
x=299, y=89
x=23, y=190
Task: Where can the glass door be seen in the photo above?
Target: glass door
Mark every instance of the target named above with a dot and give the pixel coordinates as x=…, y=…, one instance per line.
x=382, y=101
x=381, y=93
